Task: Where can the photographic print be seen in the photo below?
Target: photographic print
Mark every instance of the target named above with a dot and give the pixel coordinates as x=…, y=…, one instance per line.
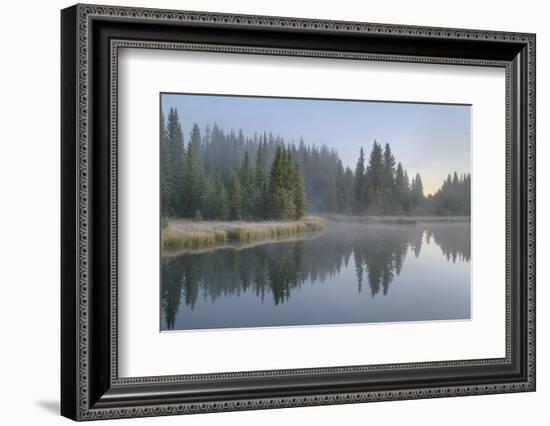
x=348, y=206
x=299, y=212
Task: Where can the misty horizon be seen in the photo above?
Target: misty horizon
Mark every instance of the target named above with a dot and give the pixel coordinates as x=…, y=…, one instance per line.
x=430, y=139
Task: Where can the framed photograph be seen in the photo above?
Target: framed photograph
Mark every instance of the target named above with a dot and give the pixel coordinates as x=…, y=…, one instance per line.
x=263, y=212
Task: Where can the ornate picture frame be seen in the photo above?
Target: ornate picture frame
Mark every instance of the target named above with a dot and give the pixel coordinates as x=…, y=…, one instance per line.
x=91, y=37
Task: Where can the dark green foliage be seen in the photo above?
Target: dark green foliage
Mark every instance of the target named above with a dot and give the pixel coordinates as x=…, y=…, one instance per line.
x=165, y=196
x=375, y=168
x=209, y=199
x=235, y=198
x=296, y=187
x=172, y=164
x=261, y=177
x=195, y=139
x=299, y=194
x=220, y=202
x=401, y=189
x=194, y=180
x=286, y=198
x=248, y=185
x=226, y=175
x=389, y=199
x=454, y=196
x=389, y=168
x=197, y=217
x=376, y=188
x=360, y=188
x=417, y=192
x=236, y=188
x=346, y=191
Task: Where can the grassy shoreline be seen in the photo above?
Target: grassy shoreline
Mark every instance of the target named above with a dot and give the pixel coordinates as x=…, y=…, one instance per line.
x=185, y=234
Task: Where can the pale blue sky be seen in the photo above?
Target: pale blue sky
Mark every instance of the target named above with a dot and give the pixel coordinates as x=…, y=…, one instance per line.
x=430, y=139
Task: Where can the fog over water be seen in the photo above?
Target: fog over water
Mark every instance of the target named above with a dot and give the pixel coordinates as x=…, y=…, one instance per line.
x=348, y=273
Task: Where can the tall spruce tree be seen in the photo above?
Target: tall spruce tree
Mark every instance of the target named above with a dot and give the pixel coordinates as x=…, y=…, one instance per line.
x=261, y=181
x=408, y=191
x=174, y=164
x=359, y=186
x=209, y=199
x=194, y=178
x=276, y=189
x=401, y=188
x=166, y=195
x=375, y=167
x=220, y=205
x=347, y=191
x=389, y=200
x=246, y=177
x=235, y=198
x=375, y=178
x=389, y=168
x=195, y=140
x=285, y=193
x=417, y=191
x=299, y=196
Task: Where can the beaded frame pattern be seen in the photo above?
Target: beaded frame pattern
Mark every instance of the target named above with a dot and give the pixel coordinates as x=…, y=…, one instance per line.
x=86, y=12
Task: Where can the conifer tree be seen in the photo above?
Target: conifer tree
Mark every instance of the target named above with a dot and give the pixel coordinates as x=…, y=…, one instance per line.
x=192, y=182
x=174, y=163
x=375, y=178
x=195, y=140
x=261, y=181
x=209, y=199
x=417, y=191
x=166, y=195
x=388, y=184
x=359, y=186
x=401, y=188
x=408, y=192
x=347, y=191
x=286, y=195
x=197, y=217
x=235, y=198
x=276, y=177
x=389, y=168
x=220, y=204
x=276, y=185
x=246, y=177
x=298, y=190
x=375, y=169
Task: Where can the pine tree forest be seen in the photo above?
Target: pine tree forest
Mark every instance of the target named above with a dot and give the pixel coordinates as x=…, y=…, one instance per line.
x=221, y=174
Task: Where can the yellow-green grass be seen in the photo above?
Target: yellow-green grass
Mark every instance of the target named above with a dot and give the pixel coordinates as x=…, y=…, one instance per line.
x=193, y=239
x=183, y=234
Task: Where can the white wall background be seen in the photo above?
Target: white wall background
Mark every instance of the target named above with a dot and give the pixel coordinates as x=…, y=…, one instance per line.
x=29, y=224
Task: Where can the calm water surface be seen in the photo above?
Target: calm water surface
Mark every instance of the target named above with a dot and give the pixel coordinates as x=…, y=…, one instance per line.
x=349, y=273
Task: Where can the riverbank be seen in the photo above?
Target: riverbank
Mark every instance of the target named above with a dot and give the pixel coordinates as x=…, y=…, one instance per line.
x=397, y=220
x=186, y=234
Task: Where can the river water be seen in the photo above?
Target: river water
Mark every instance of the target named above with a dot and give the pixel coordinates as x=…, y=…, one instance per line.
x=349, y=273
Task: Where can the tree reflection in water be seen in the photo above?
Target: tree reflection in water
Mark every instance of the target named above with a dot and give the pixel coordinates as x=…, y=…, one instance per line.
x=273, y=271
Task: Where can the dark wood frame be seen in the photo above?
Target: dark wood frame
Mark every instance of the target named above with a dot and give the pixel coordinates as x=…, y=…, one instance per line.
x=90, y=38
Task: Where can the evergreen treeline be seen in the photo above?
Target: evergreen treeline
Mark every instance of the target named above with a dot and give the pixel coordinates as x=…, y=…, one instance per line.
x=227, y=176
x=453, y=198
x=382, y=186
x=214, y=177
